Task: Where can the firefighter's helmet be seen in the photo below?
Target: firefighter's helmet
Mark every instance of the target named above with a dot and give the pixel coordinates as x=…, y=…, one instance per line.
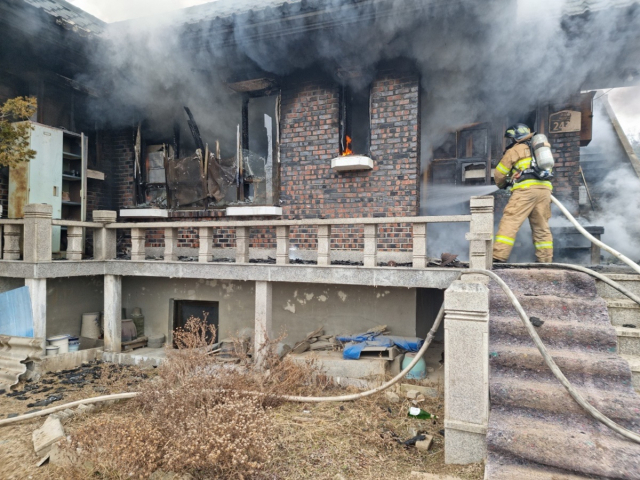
x=517, y=132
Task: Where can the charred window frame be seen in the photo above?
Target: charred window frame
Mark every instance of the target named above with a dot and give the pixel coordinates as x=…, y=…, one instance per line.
x=355, y=121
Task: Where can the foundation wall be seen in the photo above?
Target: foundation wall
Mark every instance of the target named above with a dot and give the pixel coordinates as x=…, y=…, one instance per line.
x=68, y=298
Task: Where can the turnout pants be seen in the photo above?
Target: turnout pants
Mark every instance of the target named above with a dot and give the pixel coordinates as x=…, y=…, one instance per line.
x=533, y=203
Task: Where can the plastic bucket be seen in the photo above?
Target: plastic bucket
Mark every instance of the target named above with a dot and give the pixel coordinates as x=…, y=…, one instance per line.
x=52, y=350
x=419, y=370
x=74, y=344
x=61, y=341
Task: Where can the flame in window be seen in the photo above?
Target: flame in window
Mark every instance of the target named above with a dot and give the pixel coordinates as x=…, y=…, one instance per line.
x=347, y=149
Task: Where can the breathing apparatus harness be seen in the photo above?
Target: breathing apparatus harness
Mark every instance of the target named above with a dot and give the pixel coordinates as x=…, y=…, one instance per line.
x=541, y=167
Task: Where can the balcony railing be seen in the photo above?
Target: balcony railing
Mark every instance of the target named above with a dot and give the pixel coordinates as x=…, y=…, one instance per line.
x=29, y=239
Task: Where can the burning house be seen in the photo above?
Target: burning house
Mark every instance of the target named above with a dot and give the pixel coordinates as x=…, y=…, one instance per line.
x=285, y=165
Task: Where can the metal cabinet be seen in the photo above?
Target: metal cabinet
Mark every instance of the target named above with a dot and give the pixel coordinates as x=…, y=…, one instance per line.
x=56, y=176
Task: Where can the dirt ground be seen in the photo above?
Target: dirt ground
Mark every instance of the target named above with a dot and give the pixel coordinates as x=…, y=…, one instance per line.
x=359, y=439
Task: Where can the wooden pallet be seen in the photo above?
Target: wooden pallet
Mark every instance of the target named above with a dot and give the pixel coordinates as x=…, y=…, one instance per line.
x=139, y=342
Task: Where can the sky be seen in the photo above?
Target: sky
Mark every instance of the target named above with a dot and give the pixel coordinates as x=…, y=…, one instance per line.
x=116, y=10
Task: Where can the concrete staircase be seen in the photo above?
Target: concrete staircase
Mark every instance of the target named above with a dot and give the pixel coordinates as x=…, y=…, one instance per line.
x=536, y=430
x=623, y=311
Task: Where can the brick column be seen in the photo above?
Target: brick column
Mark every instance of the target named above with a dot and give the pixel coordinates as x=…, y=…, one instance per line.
x=37, y=233
x=466, y=372
x=104, y=239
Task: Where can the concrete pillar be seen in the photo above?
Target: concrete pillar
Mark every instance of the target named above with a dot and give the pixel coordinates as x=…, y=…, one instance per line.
x=170, y=244
x=74, y=243
x=466, y=372
x=38, y=294
x=419, y=245
x=37, y=233
x=205, y=253
x=324, y=244
x=480, y=233
x=282, y=245
x=12, y=242
x=242, y=244
x=104, y=239
x=138, y=241
x=264, y=318
x=370, y=245
x=112, y=313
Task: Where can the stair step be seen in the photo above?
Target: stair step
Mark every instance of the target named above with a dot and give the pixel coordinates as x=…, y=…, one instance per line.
x=628, y=341
x=634, y=365
x=562, y=283
x=580, y=367
x=551, y=396
x=629, y=281
x=551, y=308
x=506, y=467
x=575, y=443
x=555, y=332
x=623, y=311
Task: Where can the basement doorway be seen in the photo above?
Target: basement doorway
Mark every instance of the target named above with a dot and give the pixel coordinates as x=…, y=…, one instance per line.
x=185, y=309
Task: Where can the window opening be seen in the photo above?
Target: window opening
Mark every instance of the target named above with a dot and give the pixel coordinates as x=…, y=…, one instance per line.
x=185, y=309
x=355, y=121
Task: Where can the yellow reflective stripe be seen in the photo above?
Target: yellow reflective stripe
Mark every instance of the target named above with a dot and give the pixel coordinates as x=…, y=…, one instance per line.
x=502, y=169
x=507, y=240
x=523, y=163
x=543, y=245
x=531, y=182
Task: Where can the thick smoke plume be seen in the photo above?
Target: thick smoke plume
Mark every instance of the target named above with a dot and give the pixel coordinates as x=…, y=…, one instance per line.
x=478, y=61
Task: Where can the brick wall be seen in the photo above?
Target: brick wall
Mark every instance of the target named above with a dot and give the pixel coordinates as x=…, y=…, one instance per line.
x=309, y=188
x=566, y=153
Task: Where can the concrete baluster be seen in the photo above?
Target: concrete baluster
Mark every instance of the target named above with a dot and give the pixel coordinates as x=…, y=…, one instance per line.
x=74, y=243
x=370, y=245
x=242, y=244
x=480, y=235
x=12, y=242
x=171, y=244
x=104, y=239
x=37, y=233
x=205, y=253
x=324, y=245
x=138, y=243
x=466, y=372
x=419, y=245
x=282, y=245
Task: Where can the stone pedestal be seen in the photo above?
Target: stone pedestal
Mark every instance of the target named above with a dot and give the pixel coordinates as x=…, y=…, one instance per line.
x=419, y=245
x=37, y=233
x=264, y=318
x=104, y=239
x=466, y=372
x=480, y=233
x=112, y=313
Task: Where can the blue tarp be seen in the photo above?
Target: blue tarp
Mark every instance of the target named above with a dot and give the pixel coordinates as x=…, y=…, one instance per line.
x=16, y=318
x=357, y=343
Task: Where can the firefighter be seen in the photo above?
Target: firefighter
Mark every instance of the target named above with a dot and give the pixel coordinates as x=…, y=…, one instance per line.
x=530, y=198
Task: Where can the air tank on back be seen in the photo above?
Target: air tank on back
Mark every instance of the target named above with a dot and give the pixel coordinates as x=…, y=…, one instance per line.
x=542, y=151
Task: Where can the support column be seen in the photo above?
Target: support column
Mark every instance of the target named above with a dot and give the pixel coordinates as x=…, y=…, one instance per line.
x=112, y=313
x=282, y=245
x=242, y=244
x=324, y=245
x=37, y=233
x=104, y=239
x=419, y=245
x=264, y=317
x=38, y=294
x=466, y=372
x=170, y=244
x=74, y=243
x=370, y=245
x=205, y=253
x=138, y=241
x=12, y=242
x=480, y=233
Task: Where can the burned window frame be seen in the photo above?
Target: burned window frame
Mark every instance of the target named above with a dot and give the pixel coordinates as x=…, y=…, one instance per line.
x=345, y=122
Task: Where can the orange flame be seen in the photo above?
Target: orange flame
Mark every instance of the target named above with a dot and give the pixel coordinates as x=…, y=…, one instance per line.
x=347, y=150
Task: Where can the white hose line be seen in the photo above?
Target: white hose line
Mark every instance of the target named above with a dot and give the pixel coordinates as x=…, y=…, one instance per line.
x=604, y=246
x=552, y=364
x=588, y=271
